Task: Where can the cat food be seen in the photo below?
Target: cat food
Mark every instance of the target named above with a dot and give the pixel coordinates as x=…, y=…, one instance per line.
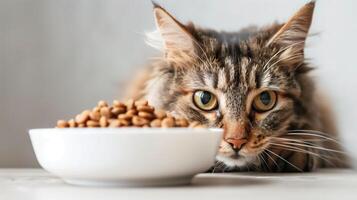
x=128, y=114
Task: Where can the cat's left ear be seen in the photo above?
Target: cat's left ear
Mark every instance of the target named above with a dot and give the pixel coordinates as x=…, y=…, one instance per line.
x=294, y=32
x=177, y=40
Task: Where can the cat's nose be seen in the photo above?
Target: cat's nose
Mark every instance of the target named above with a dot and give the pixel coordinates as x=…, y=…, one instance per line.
x=236, y=143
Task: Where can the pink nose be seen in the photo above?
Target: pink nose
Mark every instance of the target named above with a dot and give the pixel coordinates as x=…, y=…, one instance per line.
x=237, y=144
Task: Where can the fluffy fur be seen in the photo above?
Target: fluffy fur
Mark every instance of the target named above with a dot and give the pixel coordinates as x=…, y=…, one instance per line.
x=297, y=134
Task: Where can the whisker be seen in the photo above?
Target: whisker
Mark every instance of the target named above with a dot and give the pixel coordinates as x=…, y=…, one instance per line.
x=296, y=149
x=313, y=135
x=316, y=147
x=299, y=140
x=267, y=153
x=329, y=154
x=248, y=163
x=216, y=165
x=284, y=160
x=266, y=164
x=311, y=131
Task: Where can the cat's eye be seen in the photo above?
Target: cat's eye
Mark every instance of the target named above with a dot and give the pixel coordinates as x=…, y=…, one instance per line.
x=205, y=100
x=265, y=101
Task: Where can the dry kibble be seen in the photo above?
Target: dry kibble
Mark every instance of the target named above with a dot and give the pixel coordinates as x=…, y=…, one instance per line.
x=181, y=122
x=145, y=108
x=141, y=103
x=160, y=114
x=114, y=123
x=123, y=122
x=72, y=123
x=169, y=115
x=118, y=110
x=131, y=113
x=168, y=122
x=139, y=121
x=62, y=124
x=125, y=116
x=117, y=103
x=96, y=109
x=130, y=104
x=155, y=123
x=103, y=122
x=94, y=115
x=196, y=124
x=102, y=103
x=105, y=111
x=81, y=118
x=146, y=115
x=91, y=123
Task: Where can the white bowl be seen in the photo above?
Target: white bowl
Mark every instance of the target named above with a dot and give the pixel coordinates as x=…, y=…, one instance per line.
x=126, y=156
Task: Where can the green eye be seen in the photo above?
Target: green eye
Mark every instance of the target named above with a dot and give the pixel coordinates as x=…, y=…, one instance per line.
x=265, y=101
x=205, y=100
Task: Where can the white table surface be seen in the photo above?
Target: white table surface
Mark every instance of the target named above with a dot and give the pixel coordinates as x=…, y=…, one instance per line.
x=31, y=184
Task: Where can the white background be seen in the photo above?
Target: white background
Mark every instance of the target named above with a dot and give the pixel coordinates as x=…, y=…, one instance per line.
x=60, y=57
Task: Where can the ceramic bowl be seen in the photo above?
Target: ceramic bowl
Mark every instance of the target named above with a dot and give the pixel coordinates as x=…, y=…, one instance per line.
x=126, y=156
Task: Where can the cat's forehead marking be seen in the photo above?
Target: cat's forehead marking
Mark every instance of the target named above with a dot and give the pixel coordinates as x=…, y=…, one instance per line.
x=209, y=80
x=243, y=65
x=229, y=68
x=252, y=76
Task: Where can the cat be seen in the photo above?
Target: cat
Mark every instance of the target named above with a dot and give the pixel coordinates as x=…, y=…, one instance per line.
x=255, y=84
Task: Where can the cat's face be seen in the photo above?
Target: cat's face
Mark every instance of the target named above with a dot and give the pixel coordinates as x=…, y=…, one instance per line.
x=243, y=82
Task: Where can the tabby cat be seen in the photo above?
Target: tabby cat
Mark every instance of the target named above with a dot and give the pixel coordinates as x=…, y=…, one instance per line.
x=254, y=83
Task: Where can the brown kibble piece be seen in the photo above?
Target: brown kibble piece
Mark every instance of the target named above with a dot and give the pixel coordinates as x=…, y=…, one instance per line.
x=102, y=103
x=91, y=123
x=94, y=115
x=124, y=122
x=105, y=111
x=156, y=123
x=114, y=123
x=196, y=124
x=117, y=103
x=132, y=112
x=96, y=109
x=139, y=121
x=168, y=122
x=141, y=103
x=118, y=110
x=160, y=114
x=81, y=125
x=146, y=115
x=62, y=124
x=125, y=116
x=83, y=117
x=146, y=108
x=103, y=122
x=130, y=104
x=72, y=123
x=181, y=122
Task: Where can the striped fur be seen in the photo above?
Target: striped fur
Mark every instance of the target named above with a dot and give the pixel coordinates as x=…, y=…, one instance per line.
x=236, y=67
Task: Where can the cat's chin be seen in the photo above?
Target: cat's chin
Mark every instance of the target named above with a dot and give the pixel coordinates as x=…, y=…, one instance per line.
x=234, y=161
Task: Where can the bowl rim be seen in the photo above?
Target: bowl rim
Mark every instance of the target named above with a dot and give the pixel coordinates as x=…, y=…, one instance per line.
x=126, y=130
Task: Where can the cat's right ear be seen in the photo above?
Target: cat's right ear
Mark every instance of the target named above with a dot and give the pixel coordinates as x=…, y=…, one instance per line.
x=177, y=41
x=294, y=32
